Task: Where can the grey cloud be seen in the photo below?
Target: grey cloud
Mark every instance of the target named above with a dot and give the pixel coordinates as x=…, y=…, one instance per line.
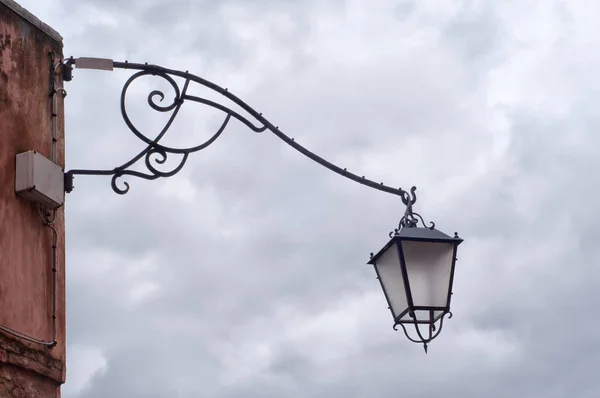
x=404, y=9
x=182, y=26
x=476, y=31
x=118, y=380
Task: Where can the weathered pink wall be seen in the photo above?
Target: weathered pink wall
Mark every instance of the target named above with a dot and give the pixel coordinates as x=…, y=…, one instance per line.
x=28, y=369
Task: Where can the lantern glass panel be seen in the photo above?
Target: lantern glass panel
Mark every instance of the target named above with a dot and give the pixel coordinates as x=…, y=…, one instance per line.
x=390, y=275
x=429, y=268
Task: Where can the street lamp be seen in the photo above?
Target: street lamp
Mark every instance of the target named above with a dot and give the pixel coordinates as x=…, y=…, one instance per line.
x=416, y=271
x=415, y=268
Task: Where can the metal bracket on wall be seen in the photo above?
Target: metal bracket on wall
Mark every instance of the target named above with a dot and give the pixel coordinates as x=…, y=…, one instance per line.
x=156, y=154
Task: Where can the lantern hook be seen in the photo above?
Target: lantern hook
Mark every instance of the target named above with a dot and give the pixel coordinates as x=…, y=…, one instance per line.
x=410, y=219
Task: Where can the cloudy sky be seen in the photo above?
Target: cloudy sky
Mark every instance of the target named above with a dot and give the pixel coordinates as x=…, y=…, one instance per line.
x=244, y=275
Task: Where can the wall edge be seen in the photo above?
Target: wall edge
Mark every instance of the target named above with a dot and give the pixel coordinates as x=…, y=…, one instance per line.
x=32, y=19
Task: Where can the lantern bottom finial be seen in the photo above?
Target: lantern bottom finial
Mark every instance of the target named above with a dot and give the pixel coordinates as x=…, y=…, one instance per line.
x=433, y=330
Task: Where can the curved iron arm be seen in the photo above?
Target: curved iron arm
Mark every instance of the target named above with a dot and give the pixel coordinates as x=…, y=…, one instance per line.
x=158, y=153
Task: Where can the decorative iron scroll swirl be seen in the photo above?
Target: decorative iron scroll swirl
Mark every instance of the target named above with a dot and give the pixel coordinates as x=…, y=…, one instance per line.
x=432, y=330
x=410, y=219
x=156, y=154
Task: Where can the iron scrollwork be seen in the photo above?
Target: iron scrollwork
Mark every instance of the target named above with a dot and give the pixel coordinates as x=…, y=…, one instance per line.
x=156, y=154
x=410, y=219
x=432, y=330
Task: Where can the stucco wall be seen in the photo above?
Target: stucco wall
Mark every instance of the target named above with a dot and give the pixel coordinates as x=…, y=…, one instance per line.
x=28, y=369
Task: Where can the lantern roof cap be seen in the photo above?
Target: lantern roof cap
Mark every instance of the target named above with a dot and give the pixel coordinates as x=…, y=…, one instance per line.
x=417, y=234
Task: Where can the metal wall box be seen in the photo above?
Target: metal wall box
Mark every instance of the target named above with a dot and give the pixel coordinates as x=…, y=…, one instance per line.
x=39, y=180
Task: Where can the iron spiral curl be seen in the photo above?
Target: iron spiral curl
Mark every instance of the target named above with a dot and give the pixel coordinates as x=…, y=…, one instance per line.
x=156, y=154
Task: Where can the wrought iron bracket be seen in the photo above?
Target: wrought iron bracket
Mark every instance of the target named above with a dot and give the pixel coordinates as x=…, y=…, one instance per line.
x=155, y=154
